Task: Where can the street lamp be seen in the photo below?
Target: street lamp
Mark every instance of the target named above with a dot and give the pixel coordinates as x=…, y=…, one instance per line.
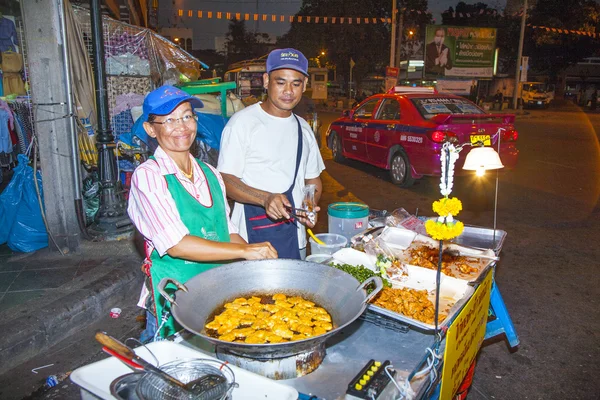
x=112, y=221
x=411, y=34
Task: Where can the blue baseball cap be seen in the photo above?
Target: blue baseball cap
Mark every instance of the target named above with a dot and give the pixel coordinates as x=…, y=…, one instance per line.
x=287, y=59
x=165, y=99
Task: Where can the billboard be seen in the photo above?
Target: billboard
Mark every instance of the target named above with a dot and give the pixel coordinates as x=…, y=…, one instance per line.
x=459, y=51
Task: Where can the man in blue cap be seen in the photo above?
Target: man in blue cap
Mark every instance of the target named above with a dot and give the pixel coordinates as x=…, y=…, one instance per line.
x=178, y=203
x=267, y=157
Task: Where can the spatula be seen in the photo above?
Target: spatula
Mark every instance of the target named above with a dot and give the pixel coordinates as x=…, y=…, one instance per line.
x=196, y=387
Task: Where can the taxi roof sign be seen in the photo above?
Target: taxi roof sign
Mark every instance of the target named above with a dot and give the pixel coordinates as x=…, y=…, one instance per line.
x=412, y=89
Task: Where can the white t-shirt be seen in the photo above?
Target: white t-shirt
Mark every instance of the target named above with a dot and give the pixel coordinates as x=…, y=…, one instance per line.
x=260, y=149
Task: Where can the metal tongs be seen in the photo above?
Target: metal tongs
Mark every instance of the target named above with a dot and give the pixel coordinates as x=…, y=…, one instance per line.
x=458, y=253
x=310, y=215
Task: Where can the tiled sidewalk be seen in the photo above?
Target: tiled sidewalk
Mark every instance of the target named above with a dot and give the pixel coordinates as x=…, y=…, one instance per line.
x=45, y=297
x=24, y=276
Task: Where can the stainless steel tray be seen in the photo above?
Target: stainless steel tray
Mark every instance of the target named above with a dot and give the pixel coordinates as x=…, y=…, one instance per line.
x=422, y=325
x=482, y=238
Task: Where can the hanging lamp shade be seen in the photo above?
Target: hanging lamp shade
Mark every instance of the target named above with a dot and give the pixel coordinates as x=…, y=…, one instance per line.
x=482, y=158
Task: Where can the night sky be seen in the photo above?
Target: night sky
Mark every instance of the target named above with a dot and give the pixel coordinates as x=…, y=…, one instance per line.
x=205, y=30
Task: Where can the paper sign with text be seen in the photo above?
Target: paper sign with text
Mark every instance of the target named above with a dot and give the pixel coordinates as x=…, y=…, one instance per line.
x=464, y=338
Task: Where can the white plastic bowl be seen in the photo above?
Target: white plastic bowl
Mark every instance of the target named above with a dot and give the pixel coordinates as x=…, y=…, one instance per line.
x=333, y=242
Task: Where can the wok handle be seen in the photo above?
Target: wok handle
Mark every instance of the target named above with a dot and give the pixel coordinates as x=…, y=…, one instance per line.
x=161, y=289
x=378, y=287
x=130, y=363
x=115, y=345
x=127, y=353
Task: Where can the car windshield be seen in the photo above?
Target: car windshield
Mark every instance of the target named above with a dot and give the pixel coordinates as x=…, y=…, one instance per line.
x=429, y=107
x=533, y=87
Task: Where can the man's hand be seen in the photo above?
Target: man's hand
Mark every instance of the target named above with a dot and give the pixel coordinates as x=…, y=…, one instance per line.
x=444, y=57
x=275, y=205
x=437, y=61
x=259, y=251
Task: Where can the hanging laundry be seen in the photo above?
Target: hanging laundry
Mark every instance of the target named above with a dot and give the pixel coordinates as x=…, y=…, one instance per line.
x=8, y=35
x=6, y=145
x=12, y=64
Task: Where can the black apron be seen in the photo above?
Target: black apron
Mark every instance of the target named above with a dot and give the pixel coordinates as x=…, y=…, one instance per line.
x=282, y=234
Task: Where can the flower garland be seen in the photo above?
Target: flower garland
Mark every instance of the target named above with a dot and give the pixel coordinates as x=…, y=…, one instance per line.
x=445, y=227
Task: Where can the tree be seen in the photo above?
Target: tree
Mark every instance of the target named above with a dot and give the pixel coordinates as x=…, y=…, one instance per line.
x=241, y=44
x=549, y=52
x=552, y=52
x=367, y=44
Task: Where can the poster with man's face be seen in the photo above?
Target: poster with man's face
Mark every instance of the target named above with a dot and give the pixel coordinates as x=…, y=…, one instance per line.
x=459, y=51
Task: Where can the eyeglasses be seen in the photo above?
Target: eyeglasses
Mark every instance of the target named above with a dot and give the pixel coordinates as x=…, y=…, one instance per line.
x=171, y=122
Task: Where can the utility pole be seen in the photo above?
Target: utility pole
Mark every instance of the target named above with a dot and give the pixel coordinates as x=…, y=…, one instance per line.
x=256, y=22
x=399, y=40
x=350, y=83
x=393, y=35
x=519, y=56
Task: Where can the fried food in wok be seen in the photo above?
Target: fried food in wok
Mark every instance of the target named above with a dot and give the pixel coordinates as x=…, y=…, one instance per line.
x=410, y=302
x=274, y=319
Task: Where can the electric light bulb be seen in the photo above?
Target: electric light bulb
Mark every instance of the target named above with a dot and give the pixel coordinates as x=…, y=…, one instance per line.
x=480, y=171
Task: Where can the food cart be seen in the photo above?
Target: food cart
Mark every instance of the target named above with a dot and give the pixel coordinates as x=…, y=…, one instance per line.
x=425, y=362
x=416, y=338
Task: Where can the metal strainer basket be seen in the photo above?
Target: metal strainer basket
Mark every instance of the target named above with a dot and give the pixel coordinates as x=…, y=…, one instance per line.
x=154, y=387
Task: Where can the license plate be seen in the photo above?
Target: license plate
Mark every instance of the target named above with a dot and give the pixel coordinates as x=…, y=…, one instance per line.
x=485, y=139
x=539, y=102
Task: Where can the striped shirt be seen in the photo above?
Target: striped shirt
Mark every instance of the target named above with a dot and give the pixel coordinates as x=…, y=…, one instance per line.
x=152, y=208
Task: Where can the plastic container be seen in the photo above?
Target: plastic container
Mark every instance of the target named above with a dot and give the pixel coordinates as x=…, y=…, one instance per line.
x=348, y=219
x=319, y=258
x=333, y=242
x=397, y=238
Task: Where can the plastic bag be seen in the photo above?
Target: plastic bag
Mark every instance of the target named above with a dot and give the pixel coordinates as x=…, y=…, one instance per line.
x=91, y=197
x=21, y=223
x=400, y=218
x=386, y=262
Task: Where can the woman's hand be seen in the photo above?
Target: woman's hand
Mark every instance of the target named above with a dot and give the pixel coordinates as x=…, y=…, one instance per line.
x=259, y=251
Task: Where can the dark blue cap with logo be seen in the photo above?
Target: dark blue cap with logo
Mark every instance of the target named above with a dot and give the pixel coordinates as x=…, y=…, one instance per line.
x=287, y=59
x=165, y=99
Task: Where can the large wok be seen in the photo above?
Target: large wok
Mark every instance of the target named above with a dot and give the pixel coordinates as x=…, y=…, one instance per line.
x=338, y=292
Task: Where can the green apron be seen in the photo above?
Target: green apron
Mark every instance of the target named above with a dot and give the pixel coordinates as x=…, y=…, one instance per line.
x=205, y=222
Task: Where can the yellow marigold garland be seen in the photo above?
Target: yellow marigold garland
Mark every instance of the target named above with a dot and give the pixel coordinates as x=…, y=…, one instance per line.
x=445, y=227
x=443, y=231
x=447, y=206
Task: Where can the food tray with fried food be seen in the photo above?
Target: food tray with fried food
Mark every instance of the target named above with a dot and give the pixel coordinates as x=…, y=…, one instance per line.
x=412, y=300
x=458, y=261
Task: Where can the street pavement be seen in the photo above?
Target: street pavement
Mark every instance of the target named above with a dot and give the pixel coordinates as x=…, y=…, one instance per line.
x=48, y=298
x=53, y=304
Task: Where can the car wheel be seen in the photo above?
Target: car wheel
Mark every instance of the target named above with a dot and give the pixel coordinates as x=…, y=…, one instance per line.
x=400, y=172
x=336, y=148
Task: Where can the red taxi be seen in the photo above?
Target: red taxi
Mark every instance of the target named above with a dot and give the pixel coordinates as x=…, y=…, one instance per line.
x=403, y=131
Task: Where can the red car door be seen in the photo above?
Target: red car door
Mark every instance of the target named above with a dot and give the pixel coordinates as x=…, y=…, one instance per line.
x=382, y=134
x=356, y=132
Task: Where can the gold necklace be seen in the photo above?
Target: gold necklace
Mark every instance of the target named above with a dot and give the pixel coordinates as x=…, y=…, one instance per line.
x=190, y=175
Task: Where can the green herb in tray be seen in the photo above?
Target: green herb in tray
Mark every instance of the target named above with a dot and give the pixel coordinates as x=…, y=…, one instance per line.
x=360, y=273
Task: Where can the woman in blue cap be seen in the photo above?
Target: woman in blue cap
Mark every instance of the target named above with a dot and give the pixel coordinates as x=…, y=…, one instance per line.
x=178, y=203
